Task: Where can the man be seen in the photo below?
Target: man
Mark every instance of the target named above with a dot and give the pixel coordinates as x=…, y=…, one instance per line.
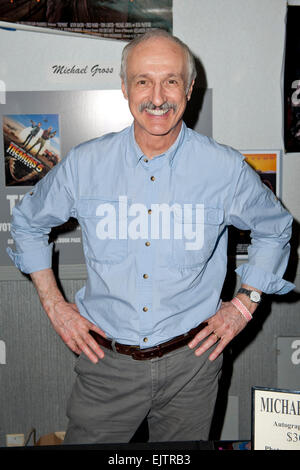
x=35, y=129
x=151, y=309
x=46, y=135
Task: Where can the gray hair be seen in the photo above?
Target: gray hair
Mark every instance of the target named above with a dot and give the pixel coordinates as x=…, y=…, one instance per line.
x=157, y=33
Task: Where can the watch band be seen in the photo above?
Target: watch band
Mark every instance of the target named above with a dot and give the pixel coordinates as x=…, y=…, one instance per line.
x=253, y=295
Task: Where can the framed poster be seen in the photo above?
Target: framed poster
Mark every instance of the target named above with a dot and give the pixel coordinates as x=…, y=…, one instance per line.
x=31, y=147
x=114, y=19
x=275, y=419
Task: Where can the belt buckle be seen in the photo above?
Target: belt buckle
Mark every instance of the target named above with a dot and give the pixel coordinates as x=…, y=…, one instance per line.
x=135, y=356
x=152, y=354
x=160, y=352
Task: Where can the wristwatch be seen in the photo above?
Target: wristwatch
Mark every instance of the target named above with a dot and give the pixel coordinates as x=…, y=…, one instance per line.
x=252, y=294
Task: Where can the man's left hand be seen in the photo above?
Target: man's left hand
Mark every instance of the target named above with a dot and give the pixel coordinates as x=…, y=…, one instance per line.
x=221, y=328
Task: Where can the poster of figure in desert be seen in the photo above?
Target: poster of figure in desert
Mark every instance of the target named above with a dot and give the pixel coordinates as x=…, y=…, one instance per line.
x=31, y=147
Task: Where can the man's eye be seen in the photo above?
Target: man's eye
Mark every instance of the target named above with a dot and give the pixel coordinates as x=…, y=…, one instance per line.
x=172, y=81
x=141, y=82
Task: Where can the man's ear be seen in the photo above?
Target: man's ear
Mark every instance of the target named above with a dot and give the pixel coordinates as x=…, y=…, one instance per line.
x=189, y=93
x=124, y=91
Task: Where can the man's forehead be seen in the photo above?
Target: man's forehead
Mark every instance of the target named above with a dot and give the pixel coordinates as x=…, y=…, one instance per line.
x=160, y=51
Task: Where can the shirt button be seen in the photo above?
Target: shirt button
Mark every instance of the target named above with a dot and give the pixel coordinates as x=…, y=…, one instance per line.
x=145, y=309
x=146, y=160
x=145, y=276
x=152, y=178
x=145, y=340
x=149, y=211
x=147, y=243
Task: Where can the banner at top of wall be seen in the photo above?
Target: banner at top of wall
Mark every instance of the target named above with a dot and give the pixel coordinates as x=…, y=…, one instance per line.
x=292, y=81
x=115, y=19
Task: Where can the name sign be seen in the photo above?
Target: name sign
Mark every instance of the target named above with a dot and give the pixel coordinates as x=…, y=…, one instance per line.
x=275, y=419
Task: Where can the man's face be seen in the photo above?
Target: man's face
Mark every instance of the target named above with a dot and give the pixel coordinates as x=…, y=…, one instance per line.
x=156, y=87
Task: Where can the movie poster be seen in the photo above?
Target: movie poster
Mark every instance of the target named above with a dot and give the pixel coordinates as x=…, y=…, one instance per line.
x=117, y=19
x=31, y=147
x=266, y=164
x=292, y=81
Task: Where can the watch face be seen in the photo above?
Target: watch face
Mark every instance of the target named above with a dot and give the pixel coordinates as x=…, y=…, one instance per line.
x=255, y=296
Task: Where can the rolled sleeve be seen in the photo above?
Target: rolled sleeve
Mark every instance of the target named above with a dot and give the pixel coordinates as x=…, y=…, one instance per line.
x=265, y=281
x=256, y=208
x=32, y=261
x=48, y=205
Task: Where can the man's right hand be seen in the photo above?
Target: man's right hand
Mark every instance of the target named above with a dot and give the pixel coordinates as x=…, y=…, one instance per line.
x=72, y=327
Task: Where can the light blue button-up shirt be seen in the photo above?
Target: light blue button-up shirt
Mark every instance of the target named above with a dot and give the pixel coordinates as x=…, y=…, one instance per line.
x=155, y=231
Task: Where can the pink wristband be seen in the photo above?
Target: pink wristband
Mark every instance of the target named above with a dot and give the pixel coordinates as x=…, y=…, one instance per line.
x=242, y=309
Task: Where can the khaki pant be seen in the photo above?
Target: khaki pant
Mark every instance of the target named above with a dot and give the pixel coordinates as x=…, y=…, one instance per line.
x=110, y=399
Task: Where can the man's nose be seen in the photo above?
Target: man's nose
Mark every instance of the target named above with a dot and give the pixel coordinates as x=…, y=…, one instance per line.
x=158, y=94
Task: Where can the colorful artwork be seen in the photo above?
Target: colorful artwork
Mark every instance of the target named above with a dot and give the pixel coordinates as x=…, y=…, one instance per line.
x=117, y=19
x=31, y=147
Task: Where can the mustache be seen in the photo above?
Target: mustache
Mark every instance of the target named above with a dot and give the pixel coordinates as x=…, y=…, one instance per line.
x=163, y=107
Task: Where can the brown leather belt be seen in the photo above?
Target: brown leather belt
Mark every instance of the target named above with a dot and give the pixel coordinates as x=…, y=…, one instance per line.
x=149, y=353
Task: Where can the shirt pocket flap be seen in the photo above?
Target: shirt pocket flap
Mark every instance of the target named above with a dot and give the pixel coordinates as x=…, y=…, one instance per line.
x=199, y=214
x=96, y=207
x=200, y=227
x=101, y=220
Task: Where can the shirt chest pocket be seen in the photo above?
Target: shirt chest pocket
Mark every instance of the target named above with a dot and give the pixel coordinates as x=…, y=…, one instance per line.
x=195, y=235
x=103, y=223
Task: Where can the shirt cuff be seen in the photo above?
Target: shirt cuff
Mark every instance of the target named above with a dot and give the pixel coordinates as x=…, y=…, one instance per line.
x=267, y=282
x=32, y=261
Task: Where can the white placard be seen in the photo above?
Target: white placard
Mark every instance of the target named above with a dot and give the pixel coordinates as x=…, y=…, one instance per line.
x=275, y=419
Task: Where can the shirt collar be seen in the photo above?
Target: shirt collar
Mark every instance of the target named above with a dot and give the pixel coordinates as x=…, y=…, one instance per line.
x=134, y=154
